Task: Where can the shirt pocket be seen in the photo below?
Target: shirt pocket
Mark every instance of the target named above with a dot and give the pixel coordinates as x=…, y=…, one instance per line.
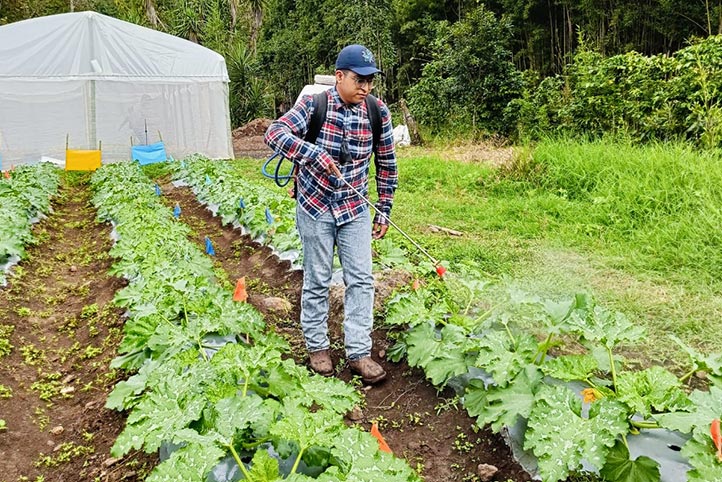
x=360, y=144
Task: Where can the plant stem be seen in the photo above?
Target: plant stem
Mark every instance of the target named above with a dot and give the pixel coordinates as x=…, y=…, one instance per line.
x=687, y=375
x=481, y=317
x=202, y=350
x=298, y=460
x=545, y=349
x=644, y=424
x=246, y=475
x=613, y=369
x=508, y=332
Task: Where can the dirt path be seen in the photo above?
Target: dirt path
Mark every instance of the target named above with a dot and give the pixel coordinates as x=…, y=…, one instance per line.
x=56, y=315
x=425, y=428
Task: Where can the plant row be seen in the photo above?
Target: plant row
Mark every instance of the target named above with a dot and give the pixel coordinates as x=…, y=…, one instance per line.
x=261, y=210
x=464, y=325
x=268, y=215
x=25, y=194
x=212, y=387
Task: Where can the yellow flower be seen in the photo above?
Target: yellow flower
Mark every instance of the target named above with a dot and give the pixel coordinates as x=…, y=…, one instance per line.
x=591, y=395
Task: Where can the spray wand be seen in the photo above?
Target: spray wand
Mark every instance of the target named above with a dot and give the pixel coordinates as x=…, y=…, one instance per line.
x=283, y=180
x=440, y=270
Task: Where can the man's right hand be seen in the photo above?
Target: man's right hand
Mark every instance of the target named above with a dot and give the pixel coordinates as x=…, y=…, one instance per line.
x=332, y=170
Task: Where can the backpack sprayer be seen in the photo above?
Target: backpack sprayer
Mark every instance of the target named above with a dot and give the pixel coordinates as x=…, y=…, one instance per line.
x=321, y=84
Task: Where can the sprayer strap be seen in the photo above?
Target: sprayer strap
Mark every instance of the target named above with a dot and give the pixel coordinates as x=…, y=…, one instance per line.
x=320, y=105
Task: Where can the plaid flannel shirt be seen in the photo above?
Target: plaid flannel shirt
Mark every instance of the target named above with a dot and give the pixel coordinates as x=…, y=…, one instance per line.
x=315, y=192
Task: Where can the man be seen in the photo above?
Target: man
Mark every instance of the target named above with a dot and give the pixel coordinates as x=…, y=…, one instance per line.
x=329, y=214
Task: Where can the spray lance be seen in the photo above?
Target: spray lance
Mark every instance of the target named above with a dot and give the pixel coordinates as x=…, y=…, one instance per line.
x=283, y=179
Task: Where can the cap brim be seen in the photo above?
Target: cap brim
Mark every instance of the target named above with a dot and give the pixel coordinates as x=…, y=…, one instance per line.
x=366, y=70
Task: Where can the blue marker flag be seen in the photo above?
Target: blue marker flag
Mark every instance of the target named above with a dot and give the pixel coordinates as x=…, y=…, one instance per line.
x=208, y=179
x=241, y=204
x=157, y=190
x=176, y=211
x=269, y=216
x=183, y=164
x=209, y=247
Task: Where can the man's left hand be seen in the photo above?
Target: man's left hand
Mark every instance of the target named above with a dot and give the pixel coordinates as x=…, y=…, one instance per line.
x=379, y=230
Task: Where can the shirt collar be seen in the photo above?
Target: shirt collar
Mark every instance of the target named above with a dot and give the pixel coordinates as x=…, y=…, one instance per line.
x=337, y=98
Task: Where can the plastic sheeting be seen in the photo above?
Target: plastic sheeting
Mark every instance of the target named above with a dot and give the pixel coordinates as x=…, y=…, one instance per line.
x=662, y=445
x=97, y=78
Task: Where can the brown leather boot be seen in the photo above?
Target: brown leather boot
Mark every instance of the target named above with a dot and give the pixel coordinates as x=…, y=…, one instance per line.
x=370, y=371
x=321, y=363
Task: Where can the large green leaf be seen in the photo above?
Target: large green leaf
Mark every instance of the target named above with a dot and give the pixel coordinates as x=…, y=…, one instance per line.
x=189, y=464
x=606, y=327
x=655, y=389
x=412, y=309
x=706, y=407
x=158, y=417
x=619, y=467
x=702, y=455
x=502, y=406
x=700, y=450
x=571, y=367
x=264, y=468
x=561, y=438
x=504, y=357
x=307, y=428
x=441, y=355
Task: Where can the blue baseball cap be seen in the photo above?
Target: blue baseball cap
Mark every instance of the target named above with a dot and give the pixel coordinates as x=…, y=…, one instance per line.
x=357, y=58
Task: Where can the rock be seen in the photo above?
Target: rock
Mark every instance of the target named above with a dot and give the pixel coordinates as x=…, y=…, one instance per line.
x=277, y=305
x=91, y=405
x=701, y=374
x=50, y=443
x=486, y=472
x=110, y=461
x=57, y=430
x=67, y=390
x=68, y=379
x=382, y=354
x=73, y=269
x=356, y=414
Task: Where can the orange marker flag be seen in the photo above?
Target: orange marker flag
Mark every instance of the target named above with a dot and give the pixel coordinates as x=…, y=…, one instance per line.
x=240, y=293
x=383, y=446
x=7, y=174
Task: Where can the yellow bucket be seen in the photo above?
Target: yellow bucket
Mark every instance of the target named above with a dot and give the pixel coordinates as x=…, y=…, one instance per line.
x=82, y=160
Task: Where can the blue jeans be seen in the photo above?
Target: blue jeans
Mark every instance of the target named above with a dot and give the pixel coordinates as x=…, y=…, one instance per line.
x=353, y=241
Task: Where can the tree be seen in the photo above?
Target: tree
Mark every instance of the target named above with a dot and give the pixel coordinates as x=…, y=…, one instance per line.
x=472, y=78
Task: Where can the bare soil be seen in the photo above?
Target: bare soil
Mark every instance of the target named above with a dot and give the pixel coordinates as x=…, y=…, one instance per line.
x=65, y=334
x=430, y=430
x=248, y=140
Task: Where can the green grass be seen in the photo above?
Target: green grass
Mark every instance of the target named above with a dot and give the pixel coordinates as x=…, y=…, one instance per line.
x=636, y=226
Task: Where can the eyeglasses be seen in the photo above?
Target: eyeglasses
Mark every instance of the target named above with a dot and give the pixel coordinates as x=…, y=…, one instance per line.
x=362, y=82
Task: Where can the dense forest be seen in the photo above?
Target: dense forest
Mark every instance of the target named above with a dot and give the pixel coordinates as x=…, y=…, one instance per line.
x=519, y=68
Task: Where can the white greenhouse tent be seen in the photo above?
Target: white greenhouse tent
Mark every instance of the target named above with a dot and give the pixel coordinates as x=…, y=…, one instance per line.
x=95, y=79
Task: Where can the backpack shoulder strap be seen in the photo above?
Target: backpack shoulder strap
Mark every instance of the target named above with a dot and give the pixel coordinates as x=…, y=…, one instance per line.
x=372, y=108
x=320, y=104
